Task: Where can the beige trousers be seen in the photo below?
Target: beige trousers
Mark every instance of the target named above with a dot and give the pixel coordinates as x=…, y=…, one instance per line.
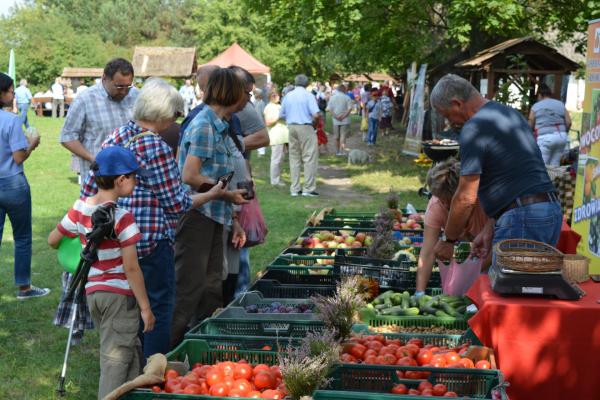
x=303, y=151
x=117, y=318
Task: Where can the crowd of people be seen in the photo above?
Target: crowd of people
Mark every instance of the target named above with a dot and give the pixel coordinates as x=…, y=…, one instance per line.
x=178, y=251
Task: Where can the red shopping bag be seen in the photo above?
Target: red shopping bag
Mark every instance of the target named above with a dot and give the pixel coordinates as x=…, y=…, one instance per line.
x=253, y=223
x=458, y=278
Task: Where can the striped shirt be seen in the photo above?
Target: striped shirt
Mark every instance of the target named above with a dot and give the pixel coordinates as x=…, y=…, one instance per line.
x=106, y=274
x=157, y=201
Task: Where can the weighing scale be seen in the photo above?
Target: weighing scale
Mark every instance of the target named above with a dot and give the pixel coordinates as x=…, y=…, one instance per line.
x=551, y=284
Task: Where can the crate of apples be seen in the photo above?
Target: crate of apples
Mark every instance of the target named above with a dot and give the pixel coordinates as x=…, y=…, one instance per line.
x=425, y=388
x=334, y=240
x=226, y=379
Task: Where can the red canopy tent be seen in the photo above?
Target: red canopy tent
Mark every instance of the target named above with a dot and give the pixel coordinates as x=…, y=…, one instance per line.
x=235, y=55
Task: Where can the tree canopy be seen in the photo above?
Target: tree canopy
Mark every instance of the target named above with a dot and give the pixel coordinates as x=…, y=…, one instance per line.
x=316, y=37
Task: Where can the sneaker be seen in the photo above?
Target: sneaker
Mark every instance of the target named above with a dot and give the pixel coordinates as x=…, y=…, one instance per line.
x=310, y=194
x=340, y=153
x=296, y=194
x=32, y=292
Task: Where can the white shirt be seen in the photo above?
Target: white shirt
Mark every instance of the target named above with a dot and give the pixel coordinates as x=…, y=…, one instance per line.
x=187, y=92
x=339, y=104
x=58, y=93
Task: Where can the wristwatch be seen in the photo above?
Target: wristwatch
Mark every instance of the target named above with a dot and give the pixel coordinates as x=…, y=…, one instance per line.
x=445, y=239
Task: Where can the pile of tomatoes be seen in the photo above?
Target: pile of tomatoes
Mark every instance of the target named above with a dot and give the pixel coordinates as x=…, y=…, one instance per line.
x=227, y=379
x=376, y=349
x=425, y=388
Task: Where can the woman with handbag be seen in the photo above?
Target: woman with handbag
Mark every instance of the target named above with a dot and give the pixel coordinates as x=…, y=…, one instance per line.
x=442, y=181
x=278, y=137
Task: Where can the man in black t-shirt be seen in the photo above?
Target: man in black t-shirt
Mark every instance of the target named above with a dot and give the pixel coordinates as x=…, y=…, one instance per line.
x=502, y=166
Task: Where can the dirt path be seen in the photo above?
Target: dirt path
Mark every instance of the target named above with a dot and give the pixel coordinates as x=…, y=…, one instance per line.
x=334, y=181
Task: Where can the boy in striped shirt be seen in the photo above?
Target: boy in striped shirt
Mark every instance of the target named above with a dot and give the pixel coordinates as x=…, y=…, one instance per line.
x=115, y=290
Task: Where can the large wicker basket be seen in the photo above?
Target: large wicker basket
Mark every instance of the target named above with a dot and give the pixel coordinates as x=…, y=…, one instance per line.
x=528, y=256
x=576, y=268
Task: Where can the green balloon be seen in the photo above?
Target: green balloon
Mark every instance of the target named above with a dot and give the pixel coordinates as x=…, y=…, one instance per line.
x=69, y=251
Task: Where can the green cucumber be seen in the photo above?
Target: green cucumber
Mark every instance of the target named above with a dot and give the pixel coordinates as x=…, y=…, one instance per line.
x=448, y=309
x=440, y=313
x=396, y=299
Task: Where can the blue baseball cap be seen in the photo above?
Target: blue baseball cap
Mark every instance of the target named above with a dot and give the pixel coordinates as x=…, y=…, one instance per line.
x=116, y=161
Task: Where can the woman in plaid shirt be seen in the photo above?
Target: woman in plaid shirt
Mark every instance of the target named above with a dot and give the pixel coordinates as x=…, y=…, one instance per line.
x=206, y=153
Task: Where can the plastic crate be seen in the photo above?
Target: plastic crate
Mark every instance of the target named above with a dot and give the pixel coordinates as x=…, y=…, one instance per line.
x=353, y=381
x=253, y=327
x=397, y=275
x=333, y=214
x=417, y=320
x=275, y=289
x=333, y=229
x=200, y=351
x=292, y=279
x=441, y=339
x=237, y=308
x=358, y=223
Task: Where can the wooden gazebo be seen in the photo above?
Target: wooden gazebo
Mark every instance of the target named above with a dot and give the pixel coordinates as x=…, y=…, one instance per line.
x=535, y=61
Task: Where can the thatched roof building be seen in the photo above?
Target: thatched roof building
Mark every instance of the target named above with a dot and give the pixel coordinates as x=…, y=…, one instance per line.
x=69, y=72
x=174, y=62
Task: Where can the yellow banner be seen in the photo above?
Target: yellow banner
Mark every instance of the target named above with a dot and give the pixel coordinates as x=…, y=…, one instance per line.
x=586, y=213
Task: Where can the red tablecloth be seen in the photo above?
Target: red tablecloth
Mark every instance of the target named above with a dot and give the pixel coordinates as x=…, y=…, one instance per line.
x=547, y=349
x=568, y=239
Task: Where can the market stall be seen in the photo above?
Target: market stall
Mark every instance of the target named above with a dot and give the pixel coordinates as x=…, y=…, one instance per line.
x=547, y=349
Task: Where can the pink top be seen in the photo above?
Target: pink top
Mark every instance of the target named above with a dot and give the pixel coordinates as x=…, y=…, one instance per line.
x=436, y=216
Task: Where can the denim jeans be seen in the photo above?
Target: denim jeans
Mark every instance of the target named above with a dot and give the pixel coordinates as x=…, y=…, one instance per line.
x=552, y=146
x=23, y=108
x=159, y=277
x=538, y=221
x=243, y=280
x=15, y=200
x=372, y=132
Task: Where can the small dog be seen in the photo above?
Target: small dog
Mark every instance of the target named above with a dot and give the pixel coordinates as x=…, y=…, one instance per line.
x=359, y=157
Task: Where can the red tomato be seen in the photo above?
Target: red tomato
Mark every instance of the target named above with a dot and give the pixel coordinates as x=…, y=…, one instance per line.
x=427, y=392
x=348, y=358
x=192, y=388
x=264, y=380
x=379, y=338
x=255, y=394
x=267, y=348
x=389, y=359
x=196, y=365
x=170, y=385
x=466, y=363
x=413, y=392
x=417, y=342
x=271, y=394
x=438, y=361
x=394, y=342
x=403, y=351
x=387, y=350
x=407, y=361
x=412, y=375
x=191, y=377
x=400, y=374
x=425, y=385
x=229, y=381
x=450, y=394
x=171, y=373
x=369, y=353
x=242, y=371
x=201, y=372
x=156, y=389
x=424, y=357
x=358, y=350
x=440, y=389
x=219, y=389
x=243, y=386
x=451, y=357
x=400, y=389
x=483, y=364
x=374, y=345
x=370, y=360
x=228, y=368
x=260, y=367
x=276, y=371
x=214, y=376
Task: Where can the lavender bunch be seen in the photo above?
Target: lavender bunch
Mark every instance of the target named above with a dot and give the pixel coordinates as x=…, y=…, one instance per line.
x=325, y=342
x=303, y=373
x=339, y=311
x=383, y=246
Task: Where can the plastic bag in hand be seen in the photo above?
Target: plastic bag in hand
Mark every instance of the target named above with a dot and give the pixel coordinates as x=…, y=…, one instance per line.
x=458, y=278
x=253, y=223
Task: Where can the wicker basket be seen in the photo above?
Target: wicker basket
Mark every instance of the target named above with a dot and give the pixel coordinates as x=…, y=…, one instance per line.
x=528, y=256
x=576, y=268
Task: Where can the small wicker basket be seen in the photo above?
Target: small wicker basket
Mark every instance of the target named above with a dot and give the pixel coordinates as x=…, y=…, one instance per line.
x=576, y=268
x=528, y=256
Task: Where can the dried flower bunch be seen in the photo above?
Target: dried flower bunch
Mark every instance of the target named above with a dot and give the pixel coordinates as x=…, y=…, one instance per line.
x=305, y=368
x=339, y=311
x=383, y=245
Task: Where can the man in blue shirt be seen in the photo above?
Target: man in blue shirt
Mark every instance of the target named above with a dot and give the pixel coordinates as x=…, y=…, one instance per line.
x=300, y=111
x=23, y=99
x=501, y=165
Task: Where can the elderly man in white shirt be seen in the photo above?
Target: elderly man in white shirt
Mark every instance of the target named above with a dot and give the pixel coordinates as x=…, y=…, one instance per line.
x=58, y=98
x=340, y=107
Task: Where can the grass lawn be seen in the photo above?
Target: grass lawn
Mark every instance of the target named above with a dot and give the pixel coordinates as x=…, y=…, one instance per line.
x=32, y=349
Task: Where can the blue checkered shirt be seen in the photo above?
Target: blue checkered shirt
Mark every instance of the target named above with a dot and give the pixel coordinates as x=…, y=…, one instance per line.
x=206, y=138
x=157, y=201
x=93, y=116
